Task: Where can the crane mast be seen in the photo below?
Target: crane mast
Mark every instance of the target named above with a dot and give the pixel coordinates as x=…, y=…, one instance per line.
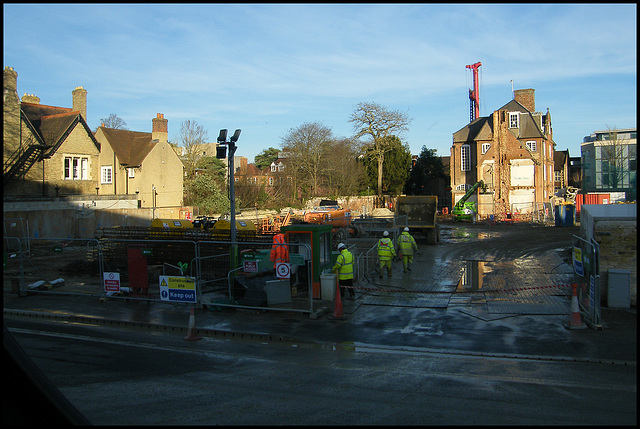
x=474, y=96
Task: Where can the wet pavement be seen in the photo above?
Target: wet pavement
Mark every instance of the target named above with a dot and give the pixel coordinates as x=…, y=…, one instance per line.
x=449, y=303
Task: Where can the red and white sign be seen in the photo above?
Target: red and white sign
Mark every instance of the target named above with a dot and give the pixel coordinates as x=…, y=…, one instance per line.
x=283, y=270
x=111, y=282
x=250, y=266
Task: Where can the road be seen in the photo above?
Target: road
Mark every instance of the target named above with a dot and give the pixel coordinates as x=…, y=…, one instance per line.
x=134, y=377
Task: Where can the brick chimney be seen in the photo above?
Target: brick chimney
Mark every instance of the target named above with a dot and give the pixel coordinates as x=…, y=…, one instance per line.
x=526, y=97
x=80, y=101
x=160, y=129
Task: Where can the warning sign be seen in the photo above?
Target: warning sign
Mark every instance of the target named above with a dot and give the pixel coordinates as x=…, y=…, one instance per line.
x=111, y=282
x=283, y=270
x=177, y=289
x=250, y=266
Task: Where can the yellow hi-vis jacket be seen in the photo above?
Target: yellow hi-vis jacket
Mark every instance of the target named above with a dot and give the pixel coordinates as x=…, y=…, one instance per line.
x=344, y=265
x=406, y=244
x=386, y=252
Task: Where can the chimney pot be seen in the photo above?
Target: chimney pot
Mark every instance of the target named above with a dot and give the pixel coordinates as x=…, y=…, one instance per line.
x=160, y=129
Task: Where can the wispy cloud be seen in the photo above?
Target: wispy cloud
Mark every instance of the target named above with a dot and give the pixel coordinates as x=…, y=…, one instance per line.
x=270, y=67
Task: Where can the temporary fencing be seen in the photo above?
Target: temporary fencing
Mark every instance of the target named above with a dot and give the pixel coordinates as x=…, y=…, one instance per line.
x=176, y=271
x=586, y=267
x=45, y=265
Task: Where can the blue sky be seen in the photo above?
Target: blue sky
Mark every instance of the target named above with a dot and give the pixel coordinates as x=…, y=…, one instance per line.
x=267, y=68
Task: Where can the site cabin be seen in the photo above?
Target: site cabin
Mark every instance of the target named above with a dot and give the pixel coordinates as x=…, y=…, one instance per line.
x=419, y=214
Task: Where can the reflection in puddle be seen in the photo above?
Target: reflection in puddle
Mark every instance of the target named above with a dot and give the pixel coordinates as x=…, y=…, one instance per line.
x=472, y=276
x=463, y=234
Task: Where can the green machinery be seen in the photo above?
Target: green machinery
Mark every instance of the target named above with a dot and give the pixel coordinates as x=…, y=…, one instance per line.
x=467, y=210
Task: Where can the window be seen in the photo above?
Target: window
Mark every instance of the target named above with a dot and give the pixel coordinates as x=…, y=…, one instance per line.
x=531, y=144
x=270, y=181
x=76, y=168
x=105, y=174
x=485, y=147
x=131, y=173
x=465, y=157
x=557, y=176
x=464, y=187
x=514, y=120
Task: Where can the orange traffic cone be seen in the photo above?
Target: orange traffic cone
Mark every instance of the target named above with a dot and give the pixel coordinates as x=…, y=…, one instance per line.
x=337, y=305
x=191, y=333
x=575, y=321
x=585, y=295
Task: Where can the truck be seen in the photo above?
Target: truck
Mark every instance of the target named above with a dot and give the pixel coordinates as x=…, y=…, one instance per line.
x=466, y=210
x=419, y=212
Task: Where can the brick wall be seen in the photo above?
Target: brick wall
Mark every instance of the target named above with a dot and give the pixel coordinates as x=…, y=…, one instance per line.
x=618, y=250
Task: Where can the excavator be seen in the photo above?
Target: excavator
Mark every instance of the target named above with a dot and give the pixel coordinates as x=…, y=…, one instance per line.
x=464, y=210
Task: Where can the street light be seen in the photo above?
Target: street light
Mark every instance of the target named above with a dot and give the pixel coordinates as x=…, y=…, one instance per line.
x=231, y=144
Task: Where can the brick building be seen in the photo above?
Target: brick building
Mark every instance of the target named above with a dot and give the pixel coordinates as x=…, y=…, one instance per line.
x=512, y=152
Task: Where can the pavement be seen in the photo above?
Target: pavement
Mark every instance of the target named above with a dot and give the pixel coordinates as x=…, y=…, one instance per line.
x=502, y=308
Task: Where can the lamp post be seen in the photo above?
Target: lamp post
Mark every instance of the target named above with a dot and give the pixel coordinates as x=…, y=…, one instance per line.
x=231, y=144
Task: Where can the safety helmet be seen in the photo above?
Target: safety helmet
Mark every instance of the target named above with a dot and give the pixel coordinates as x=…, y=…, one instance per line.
x=341, y=246
x=385, y=234
x=406, y=229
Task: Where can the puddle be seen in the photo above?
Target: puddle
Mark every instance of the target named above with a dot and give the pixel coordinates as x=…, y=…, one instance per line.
x=457, y=234
x=472, y=277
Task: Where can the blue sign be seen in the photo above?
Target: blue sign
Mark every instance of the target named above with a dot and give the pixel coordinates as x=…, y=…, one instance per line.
x=177, y=289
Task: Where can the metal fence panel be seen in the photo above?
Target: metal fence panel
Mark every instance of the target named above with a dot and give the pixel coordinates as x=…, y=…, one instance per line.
x=586, y=266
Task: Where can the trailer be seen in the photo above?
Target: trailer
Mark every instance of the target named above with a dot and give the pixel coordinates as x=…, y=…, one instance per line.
x=419, y=214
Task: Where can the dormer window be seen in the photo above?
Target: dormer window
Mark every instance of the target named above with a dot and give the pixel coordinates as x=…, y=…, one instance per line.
x=514, y=120
x=273, y=167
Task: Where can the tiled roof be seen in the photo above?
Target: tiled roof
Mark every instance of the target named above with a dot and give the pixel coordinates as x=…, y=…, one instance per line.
x=34, y=112
x=482, y=128
x=478, y=129
x=131, y=147
x=53, y=124
x=560, y=157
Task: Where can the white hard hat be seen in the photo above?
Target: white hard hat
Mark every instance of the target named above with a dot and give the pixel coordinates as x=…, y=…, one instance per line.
x=406, y=229
x=341, y=246
x=385, y=234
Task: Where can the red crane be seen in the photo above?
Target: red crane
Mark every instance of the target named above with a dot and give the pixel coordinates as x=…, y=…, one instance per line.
x=474, y=96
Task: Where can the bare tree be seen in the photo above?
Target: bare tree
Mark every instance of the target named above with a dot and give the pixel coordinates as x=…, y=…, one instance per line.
x=308, y=146
x=113, y=121
x=615, y=155
x=191, y=135
x=344, y=174
x=378, y=122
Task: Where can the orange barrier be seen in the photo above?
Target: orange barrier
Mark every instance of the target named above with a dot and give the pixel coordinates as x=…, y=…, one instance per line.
x=575, y=321
x=337, y=305
x=191, y=333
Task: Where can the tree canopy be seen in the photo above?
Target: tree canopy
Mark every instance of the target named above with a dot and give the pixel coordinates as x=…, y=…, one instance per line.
x=378, y=122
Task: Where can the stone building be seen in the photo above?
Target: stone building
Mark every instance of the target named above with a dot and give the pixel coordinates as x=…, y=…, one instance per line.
x=48, y=150
x=141, y=164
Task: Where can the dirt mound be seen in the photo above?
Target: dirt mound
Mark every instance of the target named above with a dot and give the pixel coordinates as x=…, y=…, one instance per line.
x=381, y=212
